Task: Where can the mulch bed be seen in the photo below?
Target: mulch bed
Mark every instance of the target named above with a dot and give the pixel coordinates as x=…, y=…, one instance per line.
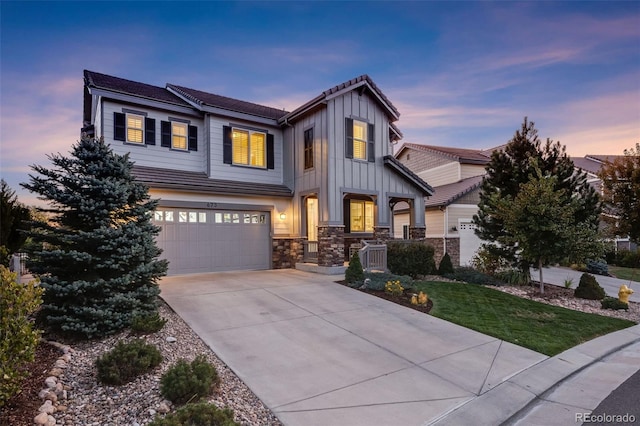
x=404, y=300
x=23, y=407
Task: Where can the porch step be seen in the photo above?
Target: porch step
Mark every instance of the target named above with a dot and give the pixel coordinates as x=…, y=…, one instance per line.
x=325, y=270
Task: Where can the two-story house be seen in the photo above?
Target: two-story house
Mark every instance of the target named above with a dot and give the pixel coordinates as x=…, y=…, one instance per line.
x=246, y=186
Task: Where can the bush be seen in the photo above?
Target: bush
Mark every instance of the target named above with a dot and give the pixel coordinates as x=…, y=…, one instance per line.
x=488, y=261
x=613, y=303
x=186, y=382
x=514, y=276
x=413, y=259
x=445, y=267
x=18, y=339
x=624, y=258
x=377, y=280
x=588, y=288
x=471, y=276
x=598, y=267
x=201, y=414
x=354, y=273
x=147, y=324
x=394, y=288
x=127, y=361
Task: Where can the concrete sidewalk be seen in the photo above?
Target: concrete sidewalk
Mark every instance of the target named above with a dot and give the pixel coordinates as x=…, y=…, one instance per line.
x=555, y=275
x=318, y=353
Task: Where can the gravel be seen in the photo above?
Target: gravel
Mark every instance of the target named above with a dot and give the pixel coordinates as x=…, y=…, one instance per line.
x=137, y=403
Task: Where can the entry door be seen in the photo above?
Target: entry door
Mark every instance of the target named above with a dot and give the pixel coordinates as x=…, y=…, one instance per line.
x=312, y=219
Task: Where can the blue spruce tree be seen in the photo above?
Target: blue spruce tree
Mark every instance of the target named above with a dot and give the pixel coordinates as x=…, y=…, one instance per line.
x=99, y=262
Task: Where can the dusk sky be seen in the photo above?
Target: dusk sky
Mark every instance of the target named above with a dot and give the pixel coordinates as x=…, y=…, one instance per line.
x=462, y=74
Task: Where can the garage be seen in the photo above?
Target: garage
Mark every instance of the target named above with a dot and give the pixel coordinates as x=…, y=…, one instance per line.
x=469, y=242
x=199, y=240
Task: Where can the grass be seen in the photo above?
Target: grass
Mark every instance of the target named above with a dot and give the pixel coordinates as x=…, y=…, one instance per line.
x=543, y=328
x=632, y=274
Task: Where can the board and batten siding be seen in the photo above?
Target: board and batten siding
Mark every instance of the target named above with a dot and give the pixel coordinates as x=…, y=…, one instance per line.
x=155, y=155
x=219, y=170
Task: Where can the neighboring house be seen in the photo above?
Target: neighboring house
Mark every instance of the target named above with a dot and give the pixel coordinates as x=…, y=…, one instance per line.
x=246, y=186
x=456, y=175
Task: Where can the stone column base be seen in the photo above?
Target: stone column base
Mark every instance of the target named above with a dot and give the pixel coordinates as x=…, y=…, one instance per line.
x=331, y=245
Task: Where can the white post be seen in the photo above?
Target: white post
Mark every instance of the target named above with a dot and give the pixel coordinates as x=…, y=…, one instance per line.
x=15, y=260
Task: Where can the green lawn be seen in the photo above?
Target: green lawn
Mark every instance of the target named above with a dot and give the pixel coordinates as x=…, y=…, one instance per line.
x=543, y=328
x=625, y=273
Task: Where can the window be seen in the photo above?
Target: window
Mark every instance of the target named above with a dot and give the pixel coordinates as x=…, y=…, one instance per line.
x=359, y=141
x=361, y=219
x=249, y=148
x=178, y=136
x=308, y=149
x=134, y=128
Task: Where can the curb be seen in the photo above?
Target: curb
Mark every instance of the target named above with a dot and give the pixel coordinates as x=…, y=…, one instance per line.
x=504, y=403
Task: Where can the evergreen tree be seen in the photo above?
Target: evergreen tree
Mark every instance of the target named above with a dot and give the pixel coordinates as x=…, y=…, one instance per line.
x=100, y=264
x=14, y=218
x=512, y=167
x=446, y=266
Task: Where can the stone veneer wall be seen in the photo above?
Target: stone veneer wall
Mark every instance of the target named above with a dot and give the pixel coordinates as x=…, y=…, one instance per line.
x=382, y=233
x=286, y=252
x=417, y=233
x=331, y=246
x=453, y=248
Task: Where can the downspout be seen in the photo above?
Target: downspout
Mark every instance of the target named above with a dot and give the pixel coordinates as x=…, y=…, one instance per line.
x=444, y=234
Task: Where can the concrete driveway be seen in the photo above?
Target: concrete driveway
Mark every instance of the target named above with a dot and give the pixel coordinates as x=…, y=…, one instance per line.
x=318, y=353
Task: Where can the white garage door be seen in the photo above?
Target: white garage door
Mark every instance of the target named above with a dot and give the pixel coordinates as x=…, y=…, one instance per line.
x=198, y=240
x=469, y=242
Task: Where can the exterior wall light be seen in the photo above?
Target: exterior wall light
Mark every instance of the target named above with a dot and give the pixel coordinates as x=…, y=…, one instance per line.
x=283, y=216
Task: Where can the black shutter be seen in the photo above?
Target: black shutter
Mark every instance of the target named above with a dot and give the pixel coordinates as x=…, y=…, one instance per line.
x=371, y=144
x=193, y=138
x=227, y=145
x=346, y=212
x=270, y=154
x=150, y=131
x=348, y=143
x=119, y=126
x=165, y=130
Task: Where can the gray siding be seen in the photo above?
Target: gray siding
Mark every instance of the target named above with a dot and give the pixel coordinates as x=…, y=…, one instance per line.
x=419, y=161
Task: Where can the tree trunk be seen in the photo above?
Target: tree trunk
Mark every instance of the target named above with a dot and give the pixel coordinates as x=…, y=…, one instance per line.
x=541, y=280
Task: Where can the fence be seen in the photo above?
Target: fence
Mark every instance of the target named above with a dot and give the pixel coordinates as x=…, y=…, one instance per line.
x=373, y=256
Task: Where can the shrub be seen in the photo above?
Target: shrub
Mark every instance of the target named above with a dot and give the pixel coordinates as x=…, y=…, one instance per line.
x=445, y=267
x=588, y=288
x=354, y=273
x=377, y=280
x=186, y=382
x=488, y=261
x=147, y=324
x=413, y=259
x=394, y=288
x=127, y=361
x=200, y=414
x=568, y=283
x=18, y=339
x=598, y=267
x=514, y=276
x=624, y=258
x=613, y=303
x=471, y=276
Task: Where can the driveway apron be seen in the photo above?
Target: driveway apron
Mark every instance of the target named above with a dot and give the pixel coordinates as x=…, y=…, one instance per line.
x=319, y=353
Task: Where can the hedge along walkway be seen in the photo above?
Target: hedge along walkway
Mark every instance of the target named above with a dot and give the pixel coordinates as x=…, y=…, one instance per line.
x=543, y=328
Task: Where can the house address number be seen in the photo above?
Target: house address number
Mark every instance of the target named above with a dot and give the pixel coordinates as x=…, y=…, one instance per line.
x=212, y=205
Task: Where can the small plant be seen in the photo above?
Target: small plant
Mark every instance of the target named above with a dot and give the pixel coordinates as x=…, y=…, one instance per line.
x=613, y=303
x=394, y=288
x=419, y=299
x=18, y=337
x=377, y=280
x=147, y=324
x=127, y=361
x=598, y=267
x=568, y=282
x=200, y=414
x=186, y=382
x=354, y=273
x=588, y=288
x=445, y=267
x=471, y=276
x=514, y=276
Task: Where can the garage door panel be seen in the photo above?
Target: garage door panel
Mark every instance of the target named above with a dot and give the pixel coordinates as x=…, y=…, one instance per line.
x=198, y=240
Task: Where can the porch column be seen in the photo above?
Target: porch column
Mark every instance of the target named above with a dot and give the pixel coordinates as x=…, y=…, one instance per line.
x=331, y=245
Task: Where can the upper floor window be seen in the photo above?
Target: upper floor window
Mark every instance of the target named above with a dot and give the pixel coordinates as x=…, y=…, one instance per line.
x=359, y=140
x=308, y=149
x=134, y=127
x=247, y=147
x=178, y=136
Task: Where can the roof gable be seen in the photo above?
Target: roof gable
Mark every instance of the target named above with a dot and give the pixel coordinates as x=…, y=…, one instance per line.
x=461, y=155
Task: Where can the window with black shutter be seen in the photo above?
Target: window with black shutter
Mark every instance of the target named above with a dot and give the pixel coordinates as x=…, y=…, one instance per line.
x=359, y=140
x=119, y=126
x=247, y=147
x=149, y=131
x=165, y=134
x=193, y=138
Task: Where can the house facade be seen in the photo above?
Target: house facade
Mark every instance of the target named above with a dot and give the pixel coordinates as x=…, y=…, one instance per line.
x=247, y=186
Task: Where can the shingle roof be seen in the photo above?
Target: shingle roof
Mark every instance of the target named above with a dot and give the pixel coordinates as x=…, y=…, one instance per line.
x=199, y=182
x=203, y=98
x=462, y=155
x=587, y=165
x=405, y=172
x=603, y=158
x=116, y=84
x=447, y=194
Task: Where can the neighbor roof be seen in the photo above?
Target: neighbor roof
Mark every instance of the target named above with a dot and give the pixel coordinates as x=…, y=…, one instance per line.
x=447, y=194
x=121, y=85
x=200, y=182
x=203, y=98
x=462, y=155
